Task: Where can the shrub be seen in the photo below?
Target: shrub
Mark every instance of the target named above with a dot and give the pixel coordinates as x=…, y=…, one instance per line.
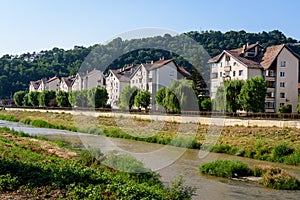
x=7, y=182
x=280, y=151
x=225, y=168
x=276, y=178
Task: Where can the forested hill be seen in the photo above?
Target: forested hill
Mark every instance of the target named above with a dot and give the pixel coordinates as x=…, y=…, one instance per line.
x=17, y=71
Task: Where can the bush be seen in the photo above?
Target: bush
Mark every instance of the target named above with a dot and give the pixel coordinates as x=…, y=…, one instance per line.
x=225, y=168
x=286, y=109
x=7, y=182
x=280, y=151
x=276, y=178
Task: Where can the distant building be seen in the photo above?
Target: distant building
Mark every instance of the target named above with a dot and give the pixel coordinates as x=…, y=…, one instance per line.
x=155, y=75
x=66, y=83
x=278, y=65
x=116, y=80
x=52, y=84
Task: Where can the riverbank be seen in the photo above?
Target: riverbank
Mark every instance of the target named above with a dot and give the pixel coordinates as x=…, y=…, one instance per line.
x=33, y=168
x=205, y=120
x=263, y=143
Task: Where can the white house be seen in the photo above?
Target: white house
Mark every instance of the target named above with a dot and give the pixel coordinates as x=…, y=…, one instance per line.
x=93, y=79
x=52, y=84
x=153, y=76
x=66, y=83
x=279, y=66
x=78, y=82
x=116, y=80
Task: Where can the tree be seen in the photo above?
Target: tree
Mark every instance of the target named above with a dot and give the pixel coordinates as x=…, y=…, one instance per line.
x=26, y=100
x=186, y=95
x=298, y=106
x=171, y=101
x=219, y=102
x=127, y=96
x=142, y=99
x=160, y=97
x=62, y=99
x=232, y=90
x=47, y=98
x=78, y=98
x=206, y=104
x=97, y=97
x=253, y=94
x=18, y=97
x=33, y=98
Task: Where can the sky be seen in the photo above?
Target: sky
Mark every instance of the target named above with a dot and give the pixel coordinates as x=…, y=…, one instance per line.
x=35, y=25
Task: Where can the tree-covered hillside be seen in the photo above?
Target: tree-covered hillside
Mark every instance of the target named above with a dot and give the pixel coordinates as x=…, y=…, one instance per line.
x=17, y=71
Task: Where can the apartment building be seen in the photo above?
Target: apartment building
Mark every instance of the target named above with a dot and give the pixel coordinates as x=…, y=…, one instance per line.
x=278, y=65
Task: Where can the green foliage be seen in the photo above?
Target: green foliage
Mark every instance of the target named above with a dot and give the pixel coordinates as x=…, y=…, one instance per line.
x=18, y=97
x=206, y=104
x=97, y=97
x=225, y=168
x=142, y=99
x=184, y=91
x=127, y=96
x=18, y=71
x=26, y=100
x=286, y=109
x=33, y=98
x=233, y=89
x=62, y=99
x=253, y=94
x=28, y=168
x=47, y=98
x=78, y=98
x=160, y=96
x=280, y=151
x=219, y=102
x=8, y=118
x=298, y=106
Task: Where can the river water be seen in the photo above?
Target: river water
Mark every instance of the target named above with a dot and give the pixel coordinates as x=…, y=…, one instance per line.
x=185, y=164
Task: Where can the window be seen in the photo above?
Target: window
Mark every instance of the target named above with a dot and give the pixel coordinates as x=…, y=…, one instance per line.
x=171, y=73
x=214, y=75
x=227, y=63
x=282, y=64
x=282, y=95
x=233, y=73
x=281, y=104
x=272, y=73
x=240, y=72
x=282, y=84
x=282, y=74
x=220, y=64
x=220, y=74
x=270, y=105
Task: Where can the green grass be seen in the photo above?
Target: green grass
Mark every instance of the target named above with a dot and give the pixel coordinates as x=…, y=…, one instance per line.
x=26, y=167
x=225, y=168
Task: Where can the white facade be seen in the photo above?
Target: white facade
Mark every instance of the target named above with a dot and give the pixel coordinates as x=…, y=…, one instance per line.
x=52, y=84
x=278, y=65
x=78, y=83
x=94, y=78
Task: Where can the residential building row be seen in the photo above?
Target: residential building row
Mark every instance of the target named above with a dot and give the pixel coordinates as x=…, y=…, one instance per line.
x=148, y=76
x=278, y=65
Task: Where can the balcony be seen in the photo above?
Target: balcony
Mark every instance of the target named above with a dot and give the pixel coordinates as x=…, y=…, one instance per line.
x=269, y=110
x=227, y=68
x=270, y=99
x=270, y=78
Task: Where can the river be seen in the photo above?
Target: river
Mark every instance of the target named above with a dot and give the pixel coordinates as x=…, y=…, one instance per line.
x=186, y=165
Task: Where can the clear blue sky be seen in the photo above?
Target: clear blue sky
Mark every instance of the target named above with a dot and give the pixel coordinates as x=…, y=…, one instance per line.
x=35, y=25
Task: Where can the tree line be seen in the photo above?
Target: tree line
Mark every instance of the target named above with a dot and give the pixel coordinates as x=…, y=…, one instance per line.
x=95, y=97
x=16, y=71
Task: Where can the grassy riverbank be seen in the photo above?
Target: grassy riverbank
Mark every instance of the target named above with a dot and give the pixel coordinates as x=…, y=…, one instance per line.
x=263, y=143
x=33, y=168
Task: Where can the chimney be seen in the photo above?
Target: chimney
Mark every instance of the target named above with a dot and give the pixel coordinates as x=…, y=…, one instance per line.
x=152, y=62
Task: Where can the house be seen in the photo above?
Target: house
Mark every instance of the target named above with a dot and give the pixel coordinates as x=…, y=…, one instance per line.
x=52, y=84
x=94, y=78
x=116, y=80
x=155, y=75
x=37, y=86
x=278, y=65
x=66, y=83
x=78, y=82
